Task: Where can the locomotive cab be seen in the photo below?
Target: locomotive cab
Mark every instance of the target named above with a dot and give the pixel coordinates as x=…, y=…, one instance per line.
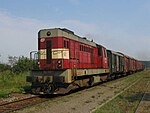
x=53, y=50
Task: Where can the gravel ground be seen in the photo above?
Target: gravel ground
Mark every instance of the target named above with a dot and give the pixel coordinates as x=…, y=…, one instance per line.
x=83, y=101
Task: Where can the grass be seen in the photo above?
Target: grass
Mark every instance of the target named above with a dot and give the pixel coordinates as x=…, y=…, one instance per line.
x=12, y=83
x=128, y=101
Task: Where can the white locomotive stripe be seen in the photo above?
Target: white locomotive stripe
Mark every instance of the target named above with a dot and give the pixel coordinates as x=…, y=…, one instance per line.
x=59, y=53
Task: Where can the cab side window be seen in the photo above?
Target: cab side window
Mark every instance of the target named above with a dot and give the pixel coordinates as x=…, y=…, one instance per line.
x=66, y=44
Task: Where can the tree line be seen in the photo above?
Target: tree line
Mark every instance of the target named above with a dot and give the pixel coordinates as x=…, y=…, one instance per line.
x=18, y=64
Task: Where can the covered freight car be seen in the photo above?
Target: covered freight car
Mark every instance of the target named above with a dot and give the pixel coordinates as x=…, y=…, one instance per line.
x=116, y=63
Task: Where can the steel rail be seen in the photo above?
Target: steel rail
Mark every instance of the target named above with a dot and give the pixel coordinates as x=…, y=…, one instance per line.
x=19, y=104
x=137, y=108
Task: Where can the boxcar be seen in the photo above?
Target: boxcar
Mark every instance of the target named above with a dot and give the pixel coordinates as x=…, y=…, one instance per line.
x=116, y=63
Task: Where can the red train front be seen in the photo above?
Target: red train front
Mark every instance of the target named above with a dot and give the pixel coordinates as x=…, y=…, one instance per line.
x=67, y=61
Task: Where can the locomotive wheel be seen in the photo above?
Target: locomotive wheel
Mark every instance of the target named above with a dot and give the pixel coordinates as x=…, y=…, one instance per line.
x=91, y=81
x=35, y=90
x=49, y=88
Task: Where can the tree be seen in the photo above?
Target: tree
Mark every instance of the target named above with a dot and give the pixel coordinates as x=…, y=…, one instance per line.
x=24, y=64
x=12, y=60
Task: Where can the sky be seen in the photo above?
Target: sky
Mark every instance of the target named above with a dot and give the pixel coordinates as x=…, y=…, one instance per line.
x=119, y=25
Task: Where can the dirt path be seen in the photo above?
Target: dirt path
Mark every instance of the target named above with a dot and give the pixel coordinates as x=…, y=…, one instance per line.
x=83, y=101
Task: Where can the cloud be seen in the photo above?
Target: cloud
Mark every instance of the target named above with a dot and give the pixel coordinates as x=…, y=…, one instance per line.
x=18, y=36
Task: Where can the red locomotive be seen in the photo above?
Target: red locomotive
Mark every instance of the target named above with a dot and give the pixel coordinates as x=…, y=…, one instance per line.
x=67, y=61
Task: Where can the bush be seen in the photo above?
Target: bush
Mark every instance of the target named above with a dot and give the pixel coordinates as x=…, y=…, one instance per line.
x=13, y=76
x=24, y=64
x=4, y=67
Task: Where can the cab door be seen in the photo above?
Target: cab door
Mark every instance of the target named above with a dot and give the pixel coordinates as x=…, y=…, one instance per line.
x=100, y=55
x=104, y=58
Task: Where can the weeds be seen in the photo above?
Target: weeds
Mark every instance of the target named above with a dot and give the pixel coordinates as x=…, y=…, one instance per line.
x=128, y=101
x=11, y=82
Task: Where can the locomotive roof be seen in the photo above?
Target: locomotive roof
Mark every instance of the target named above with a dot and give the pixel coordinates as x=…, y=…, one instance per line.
x=65, y=33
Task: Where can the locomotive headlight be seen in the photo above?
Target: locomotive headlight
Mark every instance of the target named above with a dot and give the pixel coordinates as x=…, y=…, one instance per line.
x=59, y=64
x=48, y=33
x=59, y=61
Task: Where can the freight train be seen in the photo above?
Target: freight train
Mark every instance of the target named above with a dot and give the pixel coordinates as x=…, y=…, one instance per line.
x=67, y=61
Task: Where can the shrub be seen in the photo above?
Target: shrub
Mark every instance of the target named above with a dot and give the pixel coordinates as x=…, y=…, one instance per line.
x=4, y=67
x=24, y=64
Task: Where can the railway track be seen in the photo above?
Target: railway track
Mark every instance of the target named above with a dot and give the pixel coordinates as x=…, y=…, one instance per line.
x=29, y=101
x=19, y=104
x=141, y=105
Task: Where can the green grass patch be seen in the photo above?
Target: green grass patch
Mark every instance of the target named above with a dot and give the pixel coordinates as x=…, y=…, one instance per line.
x=12, y=83
x=128, y=101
